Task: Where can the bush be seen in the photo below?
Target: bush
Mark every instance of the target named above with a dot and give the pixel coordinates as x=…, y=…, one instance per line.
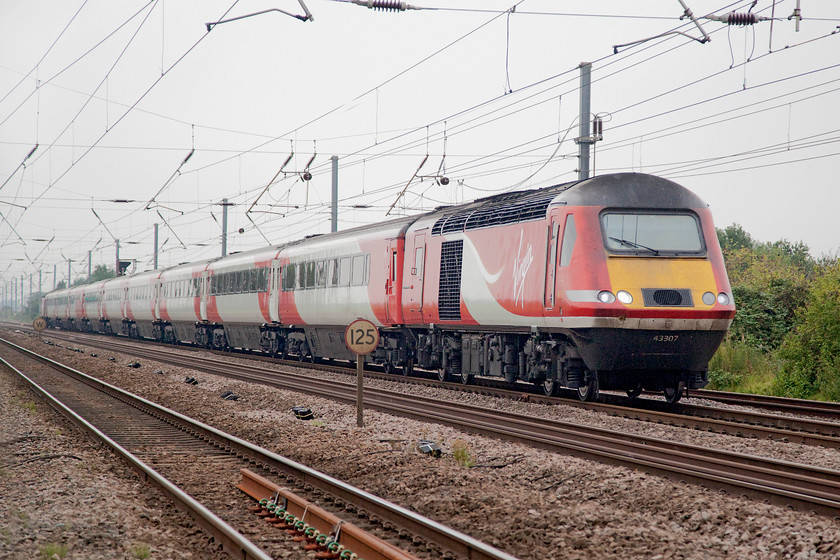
x=811, y=353
x=461, y=453
x=739, y=367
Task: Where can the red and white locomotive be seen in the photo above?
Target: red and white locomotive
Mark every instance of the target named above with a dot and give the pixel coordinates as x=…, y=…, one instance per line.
x=613, y=282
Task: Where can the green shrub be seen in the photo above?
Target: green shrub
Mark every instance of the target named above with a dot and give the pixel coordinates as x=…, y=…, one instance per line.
x=811, y=353
x=47, y=551
x=461, y=453
x=739, y=367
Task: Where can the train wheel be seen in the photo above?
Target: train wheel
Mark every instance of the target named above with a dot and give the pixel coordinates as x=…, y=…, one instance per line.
x=443, y=375
x=674, y=394
x=408, y=367
x=550, y=387
x=589, y=391
x=466, y=378
x=634, y=392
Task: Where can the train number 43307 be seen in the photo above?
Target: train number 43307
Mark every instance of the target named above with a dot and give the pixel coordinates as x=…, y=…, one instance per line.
x=666, y=338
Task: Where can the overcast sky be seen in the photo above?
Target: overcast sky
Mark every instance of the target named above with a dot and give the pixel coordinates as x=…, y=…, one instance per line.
x=117, y=95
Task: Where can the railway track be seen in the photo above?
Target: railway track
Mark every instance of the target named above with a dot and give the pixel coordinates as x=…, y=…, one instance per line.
x=829, y=410
x=141, y=431
x=800, y=486
x=750, y=424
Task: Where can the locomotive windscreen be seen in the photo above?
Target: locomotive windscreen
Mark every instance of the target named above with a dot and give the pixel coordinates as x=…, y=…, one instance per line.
x=653, y=233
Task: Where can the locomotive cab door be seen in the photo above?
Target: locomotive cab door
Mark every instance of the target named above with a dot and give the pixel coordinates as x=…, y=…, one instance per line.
x=551, y=260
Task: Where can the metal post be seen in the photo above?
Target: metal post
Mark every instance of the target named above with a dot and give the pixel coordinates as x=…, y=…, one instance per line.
x=583, y=144
x=40, y=281
x=334, y=223
x=55, y=276
x=156, y=247
x=224, y=226
x=360, y=383
x=117, y=271
x=90, y=259
x=68, y=271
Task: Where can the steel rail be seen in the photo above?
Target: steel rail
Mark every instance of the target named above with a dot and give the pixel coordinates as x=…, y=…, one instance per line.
x=460, y=544
x=802, y=406
x=740, y=423
x=805, y=487
x=232, y=541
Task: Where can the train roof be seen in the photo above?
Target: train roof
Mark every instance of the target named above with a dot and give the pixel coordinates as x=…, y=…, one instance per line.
x=628, y=190
x=631, y=190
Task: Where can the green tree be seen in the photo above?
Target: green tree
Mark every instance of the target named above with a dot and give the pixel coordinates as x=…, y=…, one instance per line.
x=732, y=238
x=769, y=281
x=101, y=272
x=811, y=354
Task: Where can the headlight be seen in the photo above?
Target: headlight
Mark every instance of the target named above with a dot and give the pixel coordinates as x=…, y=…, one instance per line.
x=606, y=296
x=624, y=297
x=723, y=299
x=709, y=298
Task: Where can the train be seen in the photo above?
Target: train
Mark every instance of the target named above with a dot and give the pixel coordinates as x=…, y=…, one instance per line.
x=615, y=282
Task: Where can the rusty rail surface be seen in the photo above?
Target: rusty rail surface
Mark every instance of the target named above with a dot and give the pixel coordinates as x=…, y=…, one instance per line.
x=325, y=527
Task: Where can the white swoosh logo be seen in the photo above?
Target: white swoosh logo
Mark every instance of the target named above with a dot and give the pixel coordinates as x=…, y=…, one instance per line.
x=488, y=277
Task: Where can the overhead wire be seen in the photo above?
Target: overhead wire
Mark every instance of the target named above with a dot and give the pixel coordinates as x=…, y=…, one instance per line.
x=305, y=125
x=67, y=67
x=47, y=52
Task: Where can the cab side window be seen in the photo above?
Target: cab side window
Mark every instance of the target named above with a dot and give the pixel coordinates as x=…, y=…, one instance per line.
x=569, y=238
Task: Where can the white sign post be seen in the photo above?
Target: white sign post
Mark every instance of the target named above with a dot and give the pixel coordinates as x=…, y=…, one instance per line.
x=361, y=338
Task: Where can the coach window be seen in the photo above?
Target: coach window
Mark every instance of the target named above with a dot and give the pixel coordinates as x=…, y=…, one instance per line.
x=569, y=238
x=301, y=276
x=288, y=274
x=418, y=262
x=253, y=280
x=358, y=270
x=344, y=272
x=310, y=274
x=257, y=279
x=332, y=273
x=321, y=274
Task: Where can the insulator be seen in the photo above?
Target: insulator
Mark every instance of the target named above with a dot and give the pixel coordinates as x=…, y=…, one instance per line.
x=386, y=5
x=733, y=18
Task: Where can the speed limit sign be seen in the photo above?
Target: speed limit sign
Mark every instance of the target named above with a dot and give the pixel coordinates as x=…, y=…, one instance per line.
x=361, y=337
